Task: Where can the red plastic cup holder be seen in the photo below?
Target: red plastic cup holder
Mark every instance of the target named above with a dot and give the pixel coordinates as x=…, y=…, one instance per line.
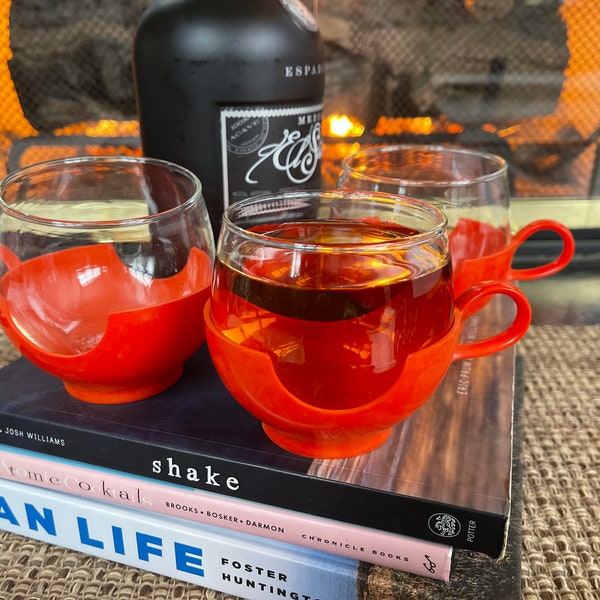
x=110, y=333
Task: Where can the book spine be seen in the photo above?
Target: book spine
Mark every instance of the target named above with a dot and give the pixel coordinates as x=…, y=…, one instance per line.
x=233, y=479
x=351, y=541
x=206, y=556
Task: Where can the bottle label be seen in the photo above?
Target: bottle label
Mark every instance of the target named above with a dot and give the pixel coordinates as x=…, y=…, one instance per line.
x=267, y=150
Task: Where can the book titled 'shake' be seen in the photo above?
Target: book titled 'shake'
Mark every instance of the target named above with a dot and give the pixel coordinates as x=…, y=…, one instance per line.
x=443, y=475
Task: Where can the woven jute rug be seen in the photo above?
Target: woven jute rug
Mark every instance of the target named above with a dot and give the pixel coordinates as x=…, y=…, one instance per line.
x=561, y=490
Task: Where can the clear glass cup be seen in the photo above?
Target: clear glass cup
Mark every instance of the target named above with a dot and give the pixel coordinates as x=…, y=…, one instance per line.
x=472, y=189
x=332, y=315
x=105, y=265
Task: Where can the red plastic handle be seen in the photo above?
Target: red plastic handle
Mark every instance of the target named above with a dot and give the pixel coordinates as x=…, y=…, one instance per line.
x=8, y=257
x=549, y=268
x=468, y=303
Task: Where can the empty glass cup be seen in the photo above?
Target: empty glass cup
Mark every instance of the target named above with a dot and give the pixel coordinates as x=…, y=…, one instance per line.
x=105, y=266
x=472, y=189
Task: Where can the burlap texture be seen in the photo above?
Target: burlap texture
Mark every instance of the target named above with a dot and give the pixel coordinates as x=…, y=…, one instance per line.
x=561, y=488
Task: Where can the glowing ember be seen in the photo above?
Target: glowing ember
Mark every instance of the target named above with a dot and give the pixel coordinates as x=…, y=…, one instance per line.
x=342, y=126
x=415, y=125
x=103, y=128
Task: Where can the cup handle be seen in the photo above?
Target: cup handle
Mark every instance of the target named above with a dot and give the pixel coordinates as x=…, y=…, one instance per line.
x=467, y=304
x=549, y=268
x=9, y=258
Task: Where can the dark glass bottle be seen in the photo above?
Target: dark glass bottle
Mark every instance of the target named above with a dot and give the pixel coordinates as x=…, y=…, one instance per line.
x=232, y=90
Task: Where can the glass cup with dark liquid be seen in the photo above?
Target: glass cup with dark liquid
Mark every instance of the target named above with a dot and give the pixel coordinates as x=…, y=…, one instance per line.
x=332, y=315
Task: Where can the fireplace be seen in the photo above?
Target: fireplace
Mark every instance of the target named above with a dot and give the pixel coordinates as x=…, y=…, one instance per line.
x=520, y=78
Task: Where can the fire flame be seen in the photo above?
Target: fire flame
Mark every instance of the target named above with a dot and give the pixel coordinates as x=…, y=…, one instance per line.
x=342, y=126
x=578, y=101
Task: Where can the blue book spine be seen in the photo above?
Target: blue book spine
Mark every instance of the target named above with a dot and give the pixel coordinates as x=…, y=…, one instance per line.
x=230, y=562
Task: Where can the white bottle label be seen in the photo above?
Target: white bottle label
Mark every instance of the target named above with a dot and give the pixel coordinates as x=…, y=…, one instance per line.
x=267, y=150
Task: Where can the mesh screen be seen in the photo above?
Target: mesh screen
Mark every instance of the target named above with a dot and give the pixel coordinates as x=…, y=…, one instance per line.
x=520, y=77
x=71, y=60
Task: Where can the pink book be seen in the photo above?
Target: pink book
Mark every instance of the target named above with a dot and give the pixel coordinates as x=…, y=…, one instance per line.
x=343, y=539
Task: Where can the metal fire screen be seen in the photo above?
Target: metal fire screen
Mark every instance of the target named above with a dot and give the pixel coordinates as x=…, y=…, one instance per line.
x=519, y=78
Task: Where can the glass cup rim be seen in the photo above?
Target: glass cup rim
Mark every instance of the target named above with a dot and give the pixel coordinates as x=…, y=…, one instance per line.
x=439, y=228
x=40, y=167
x=501, y=165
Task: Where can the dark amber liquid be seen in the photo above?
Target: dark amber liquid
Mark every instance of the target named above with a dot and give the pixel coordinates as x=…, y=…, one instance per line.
x=338, y=325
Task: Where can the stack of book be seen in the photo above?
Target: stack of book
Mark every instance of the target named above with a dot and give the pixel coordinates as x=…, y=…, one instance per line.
x=186, y=484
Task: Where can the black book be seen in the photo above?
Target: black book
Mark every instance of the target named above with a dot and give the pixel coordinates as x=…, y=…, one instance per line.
x=475, y=575
x=443, y=475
